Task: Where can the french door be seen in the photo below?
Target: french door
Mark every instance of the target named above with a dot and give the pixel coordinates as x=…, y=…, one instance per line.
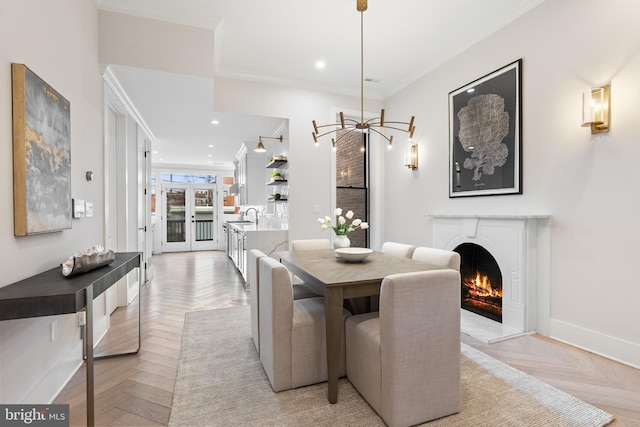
x=189, y=220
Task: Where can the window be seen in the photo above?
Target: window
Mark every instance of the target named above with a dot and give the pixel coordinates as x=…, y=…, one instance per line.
x=352, y=181
x=183, y=178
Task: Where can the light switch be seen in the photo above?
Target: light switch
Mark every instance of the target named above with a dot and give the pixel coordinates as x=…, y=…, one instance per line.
x=78, y=208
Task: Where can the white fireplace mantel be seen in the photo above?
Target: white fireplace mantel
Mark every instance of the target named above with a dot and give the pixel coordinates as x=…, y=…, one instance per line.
x=521, y=245
x=495, y=216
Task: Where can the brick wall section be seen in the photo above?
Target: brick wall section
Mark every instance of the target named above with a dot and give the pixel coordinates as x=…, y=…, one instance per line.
x=350, y=161
x=350, y=172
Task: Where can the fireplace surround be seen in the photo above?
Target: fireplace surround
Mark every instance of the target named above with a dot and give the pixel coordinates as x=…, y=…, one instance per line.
x=520, y=246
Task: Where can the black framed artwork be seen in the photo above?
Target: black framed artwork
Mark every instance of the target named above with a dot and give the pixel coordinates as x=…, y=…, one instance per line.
x=485, y=135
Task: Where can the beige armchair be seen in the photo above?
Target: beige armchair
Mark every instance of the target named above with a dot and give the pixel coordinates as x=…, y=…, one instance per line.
x=398, y=249
x=300, y=291
x=293, y=349
x=439, y=257
x=310, y=244
x=405, y=359
x=253, y=255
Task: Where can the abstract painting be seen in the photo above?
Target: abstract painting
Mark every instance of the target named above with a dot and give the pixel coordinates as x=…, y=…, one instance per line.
x=41, y=155
x=485, y=135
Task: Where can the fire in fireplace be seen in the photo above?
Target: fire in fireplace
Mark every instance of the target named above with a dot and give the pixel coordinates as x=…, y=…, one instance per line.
x=481, y=279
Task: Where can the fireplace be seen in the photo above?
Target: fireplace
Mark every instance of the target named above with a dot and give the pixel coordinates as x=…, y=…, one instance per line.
x=481, y=281
x=509, y=252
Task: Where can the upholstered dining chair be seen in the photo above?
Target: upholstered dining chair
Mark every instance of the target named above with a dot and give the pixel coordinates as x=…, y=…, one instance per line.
x=293, y=349
x=253, y=255
x=405, y=359
x=402, y=250
x=439, y=257
x=300, y=291
x=310, y=244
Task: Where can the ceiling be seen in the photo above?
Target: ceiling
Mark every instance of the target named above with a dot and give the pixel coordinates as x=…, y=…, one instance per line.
x=280, y=41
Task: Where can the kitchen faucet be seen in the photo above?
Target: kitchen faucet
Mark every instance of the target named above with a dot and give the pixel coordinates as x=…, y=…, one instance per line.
x=247, y=211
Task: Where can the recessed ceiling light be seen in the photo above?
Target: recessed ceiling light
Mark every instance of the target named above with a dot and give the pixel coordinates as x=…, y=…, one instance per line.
x=209, y=155
x=320, y=65
x=215, y=122
x=155, y=151
x=210, y=145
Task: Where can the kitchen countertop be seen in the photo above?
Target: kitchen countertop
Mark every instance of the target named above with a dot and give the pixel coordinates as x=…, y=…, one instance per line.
x=253, y=227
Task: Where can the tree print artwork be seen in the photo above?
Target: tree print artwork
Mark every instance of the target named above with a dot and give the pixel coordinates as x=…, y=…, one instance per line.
x=485, y=135
x=483, y=126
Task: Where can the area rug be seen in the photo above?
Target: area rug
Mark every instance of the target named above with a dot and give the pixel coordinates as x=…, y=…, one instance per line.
x=221, y=382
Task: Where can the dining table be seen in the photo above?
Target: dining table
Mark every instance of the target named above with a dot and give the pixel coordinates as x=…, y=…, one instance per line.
x=338, y=280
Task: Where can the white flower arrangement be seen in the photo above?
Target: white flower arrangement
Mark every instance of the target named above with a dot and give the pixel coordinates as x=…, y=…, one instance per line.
x=341, y=228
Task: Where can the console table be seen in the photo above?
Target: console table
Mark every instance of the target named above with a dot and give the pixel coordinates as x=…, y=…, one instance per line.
x=50, y=293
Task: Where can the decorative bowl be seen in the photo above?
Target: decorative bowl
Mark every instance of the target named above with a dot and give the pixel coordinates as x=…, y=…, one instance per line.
x=353, y=254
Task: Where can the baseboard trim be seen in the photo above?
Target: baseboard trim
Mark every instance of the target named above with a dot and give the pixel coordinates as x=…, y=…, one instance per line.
x=613, y=348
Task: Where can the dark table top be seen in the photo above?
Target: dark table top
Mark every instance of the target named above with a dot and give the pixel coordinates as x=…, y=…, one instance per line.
x=50, y=293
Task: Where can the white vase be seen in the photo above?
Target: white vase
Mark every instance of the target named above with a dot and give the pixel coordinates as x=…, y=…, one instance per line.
x=341, y=241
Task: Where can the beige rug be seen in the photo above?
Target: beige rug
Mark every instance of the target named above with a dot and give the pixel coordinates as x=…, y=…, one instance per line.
x=220, y=382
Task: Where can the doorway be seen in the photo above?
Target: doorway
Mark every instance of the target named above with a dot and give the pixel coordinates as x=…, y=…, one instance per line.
x=189, y=221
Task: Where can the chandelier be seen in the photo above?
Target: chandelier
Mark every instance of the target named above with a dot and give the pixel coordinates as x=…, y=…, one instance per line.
x=375, y=124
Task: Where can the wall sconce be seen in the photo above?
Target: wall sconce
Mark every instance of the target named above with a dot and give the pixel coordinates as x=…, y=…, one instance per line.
x=596, y=109
x=260, y=147
x=411, y=156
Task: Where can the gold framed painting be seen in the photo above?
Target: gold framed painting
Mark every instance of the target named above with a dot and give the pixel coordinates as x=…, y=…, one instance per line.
x=41, y=155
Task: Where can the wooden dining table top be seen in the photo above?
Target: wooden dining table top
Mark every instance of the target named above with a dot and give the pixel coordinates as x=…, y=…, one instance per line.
x=323, y=266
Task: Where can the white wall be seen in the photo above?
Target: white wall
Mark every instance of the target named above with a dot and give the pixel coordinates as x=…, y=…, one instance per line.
x=156, y=45
x=585, y=182
x=59, y=42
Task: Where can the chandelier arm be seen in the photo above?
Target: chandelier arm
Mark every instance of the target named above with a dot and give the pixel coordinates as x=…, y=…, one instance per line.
x=388, y=127
x=385, y=123
x=396, y=123
x=371, y=121
x=381, y=134
x=330, y=124
x=349, y=129
x=355, y=122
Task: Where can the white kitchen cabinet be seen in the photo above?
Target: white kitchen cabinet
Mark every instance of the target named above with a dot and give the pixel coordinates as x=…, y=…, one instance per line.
x=249, y=236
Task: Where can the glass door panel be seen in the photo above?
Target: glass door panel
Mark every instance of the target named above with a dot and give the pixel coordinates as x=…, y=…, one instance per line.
x=176, y=231
x=203, y=218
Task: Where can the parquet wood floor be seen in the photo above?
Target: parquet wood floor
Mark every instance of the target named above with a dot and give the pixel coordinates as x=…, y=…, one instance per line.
x=138, y=390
